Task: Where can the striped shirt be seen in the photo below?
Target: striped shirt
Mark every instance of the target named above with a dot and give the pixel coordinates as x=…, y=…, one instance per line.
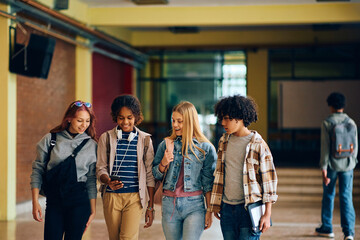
x=125, y=164
x=259, y=175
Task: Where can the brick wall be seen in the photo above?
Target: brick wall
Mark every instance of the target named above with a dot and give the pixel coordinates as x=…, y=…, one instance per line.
x=41, y=105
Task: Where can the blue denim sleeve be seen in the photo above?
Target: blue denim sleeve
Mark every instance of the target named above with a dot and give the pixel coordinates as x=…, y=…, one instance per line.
x=207, y=175
x=158, y=157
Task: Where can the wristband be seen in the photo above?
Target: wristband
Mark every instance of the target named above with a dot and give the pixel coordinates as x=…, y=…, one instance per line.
x=162, y=165
x=151, y=209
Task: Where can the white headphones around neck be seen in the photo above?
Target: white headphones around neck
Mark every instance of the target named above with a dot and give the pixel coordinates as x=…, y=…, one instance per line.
x=132, y=135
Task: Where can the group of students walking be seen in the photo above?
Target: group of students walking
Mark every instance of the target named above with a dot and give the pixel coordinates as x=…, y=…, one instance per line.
x=197, y=182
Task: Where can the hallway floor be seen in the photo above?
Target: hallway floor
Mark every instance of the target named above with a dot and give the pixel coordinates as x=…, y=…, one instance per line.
x=294, y=216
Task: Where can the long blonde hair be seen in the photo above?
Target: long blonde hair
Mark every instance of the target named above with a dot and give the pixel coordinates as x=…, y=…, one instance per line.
x=191, y=128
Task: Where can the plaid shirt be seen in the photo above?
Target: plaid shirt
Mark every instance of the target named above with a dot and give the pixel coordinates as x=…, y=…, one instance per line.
x=260, y=179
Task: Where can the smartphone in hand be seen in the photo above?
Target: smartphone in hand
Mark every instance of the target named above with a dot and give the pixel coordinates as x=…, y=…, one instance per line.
x=114, y=178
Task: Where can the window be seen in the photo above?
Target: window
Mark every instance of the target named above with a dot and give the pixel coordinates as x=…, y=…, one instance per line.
x=200, y=77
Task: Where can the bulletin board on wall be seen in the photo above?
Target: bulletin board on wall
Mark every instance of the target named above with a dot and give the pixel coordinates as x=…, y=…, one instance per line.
x=302, y=104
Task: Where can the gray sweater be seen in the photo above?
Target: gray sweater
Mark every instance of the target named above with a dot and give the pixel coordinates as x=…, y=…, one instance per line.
x=65, y=145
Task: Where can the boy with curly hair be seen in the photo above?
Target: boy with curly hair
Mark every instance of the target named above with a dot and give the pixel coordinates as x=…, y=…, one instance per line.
x=244, y=173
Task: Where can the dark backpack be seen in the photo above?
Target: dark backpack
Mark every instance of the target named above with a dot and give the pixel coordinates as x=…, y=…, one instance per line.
x=342, y=138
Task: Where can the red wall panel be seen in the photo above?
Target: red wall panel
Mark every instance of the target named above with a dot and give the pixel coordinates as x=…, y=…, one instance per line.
x=110, y=79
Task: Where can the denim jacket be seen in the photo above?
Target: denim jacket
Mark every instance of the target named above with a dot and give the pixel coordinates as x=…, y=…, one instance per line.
x=198, y=174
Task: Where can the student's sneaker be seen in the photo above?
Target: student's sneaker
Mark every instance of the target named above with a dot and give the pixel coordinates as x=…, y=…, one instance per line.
x=320, y=231
x=349, y=238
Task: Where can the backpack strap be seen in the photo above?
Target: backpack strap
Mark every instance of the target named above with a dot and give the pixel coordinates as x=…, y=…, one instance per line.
x=332, y=121
x=78, y=148
x=346, y=120
x=170, y=147
x=102, y=188
x=146, y=146
x=108, y=148
x=51, y=146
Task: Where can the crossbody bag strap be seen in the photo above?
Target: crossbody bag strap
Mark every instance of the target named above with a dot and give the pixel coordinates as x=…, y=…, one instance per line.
x=78, y=148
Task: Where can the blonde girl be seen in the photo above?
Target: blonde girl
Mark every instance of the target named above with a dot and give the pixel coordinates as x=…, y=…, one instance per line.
x=189, y=177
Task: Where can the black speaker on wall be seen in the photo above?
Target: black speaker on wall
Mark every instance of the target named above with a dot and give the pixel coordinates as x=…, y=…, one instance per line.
x=61, y=4
x=33, y=60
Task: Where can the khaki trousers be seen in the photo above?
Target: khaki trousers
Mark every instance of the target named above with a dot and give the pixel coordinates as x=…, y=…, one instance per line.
x=122, y=213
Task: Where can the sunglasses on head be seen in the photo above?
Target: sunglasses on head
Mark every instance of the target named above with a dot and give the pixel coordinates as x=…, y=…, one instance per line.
x=79, y=104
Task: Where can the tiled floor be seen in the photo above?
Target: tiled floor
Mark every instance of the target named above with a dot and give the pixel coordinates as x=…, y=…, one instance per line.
x=294, y=216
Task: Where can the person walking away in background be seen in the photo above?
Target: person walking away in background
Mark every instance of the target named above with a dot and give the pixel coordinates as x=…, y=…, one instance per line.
x=338, y=161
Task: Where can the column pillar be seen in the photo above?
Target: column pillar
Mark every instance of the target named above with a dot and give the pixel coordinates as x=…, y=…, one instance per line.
x=7, y=126
x=83, y=73
x=257, y=82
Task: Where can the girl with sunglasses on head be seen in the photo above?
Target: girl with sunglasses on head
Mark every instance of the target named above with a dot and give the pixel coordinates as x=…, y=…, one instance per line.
x=65, y=169
x=188, y=171
x=125, y=156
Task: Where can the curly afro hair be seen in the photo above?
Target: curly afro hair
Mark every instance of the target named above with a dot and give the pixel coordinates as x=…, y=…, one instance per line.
x=129, y=101
x=237, y=107
x=336, y=100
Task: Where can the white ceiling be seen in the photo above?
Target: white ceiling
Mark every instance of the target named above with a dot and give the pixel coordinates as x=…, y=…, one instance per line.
x=188, y=3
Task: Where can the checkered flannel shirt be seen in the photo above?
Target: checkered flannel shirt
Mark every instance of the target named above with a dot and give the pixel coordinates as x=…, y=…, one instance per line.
x=260, y=179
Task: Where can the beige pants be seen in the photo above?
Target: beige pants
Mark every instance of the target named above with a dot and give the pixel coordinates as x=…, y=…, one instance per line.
x=122, y=212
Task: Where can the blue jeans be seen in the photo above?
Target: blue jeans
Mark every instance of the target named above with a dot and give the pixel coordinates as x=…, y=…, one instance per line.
x=183, y=217
x=347, y=211
x=235, y=223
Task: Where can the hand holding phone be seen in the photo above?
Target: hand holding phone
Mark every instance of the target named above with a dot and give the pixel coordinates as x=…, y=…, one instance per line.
x=115, y=183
